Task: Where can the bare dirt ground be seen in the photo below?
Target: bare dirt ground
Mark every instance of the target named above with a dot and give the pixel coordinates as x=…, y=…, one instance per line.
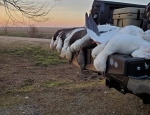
x=26, y=89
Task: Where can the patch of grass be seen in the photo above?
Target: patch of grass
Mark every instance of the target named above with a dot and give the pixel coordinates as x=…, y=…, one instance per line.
x=22, y=89
x=85, y=85
x=71, y=85
x=25, y=89
x=43, y=57
x=53, y=83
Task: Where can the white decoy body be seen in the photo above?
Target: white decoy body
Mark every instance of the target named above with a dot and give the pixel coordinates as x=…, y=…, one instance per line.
x=131, y=30
x=68, y=53
x=56, y=41
x=142, y=52
x=51, y=43
x=66, y=42
x=64, y=46
x=122, y=43
x=106, y=27
x=110, y=31
x=97, y=50
x=59, y=45
x=103, y=38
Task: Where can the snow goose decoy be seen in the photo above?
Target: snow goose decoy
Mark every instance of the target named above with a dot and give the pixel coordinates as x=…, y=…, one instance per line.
x=53, y=40
x=76, y=36
x=59, y=45
x=121, y=43
x=62, y=37
x=51, y=43
x=102, y=33
x=77, y=44
x=97, y=50
x=131, y=30
x=66, y=42
x=56, y=41
x=142, y=52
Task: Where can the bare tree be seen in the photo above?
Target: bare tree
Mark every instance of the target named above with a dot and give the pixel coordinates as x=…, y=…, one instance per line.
x=33, y=31
x=5, y=26
x=32, y=9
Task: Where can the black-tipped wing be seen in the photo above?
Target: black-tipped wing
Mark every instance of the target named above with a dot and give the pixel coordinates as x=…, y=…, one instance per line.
x=91, y=28
x=93, y=25
x=86, y=20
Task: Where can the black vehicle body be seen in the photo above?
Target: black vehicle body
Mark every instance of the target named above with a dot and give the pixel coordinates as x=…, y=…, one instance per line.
x=102, y=11
x=133, y=76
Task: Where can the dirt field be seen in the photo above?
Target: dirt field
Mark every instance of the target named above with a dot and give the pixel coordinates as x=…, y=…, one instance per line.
x=56, y=89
